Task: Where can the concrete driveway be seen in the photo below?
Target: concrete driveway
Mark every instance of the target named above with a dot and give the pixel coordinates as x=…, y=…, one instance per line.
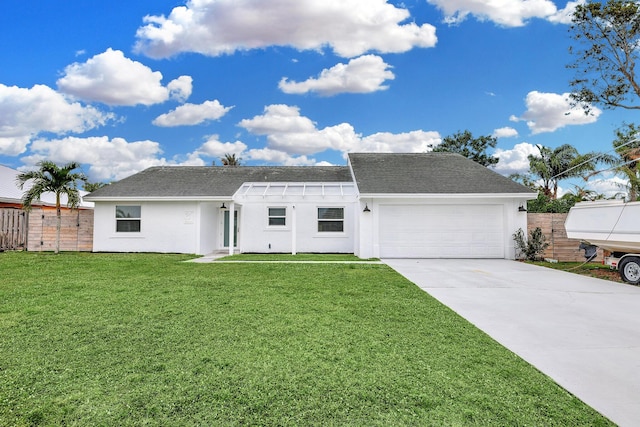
x=582, y=332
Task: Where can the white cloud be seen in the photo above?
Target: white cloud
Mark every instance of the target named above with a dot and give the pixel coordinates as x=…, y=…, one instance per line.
x=289, y=132
x=514, y=160
x=279, y=157
x=609, y=186
x=214, y=148
x=547, y=112
x=180, y=88
x=216, y=27
x=25, y=113
x=14, y=146
x=505, y=132
x=192, y=114
x=417, y=141
x=508, y=13
x=286, y=130
x=564, y=16
x=361, y=75
x=113, y=79
x=108, y=159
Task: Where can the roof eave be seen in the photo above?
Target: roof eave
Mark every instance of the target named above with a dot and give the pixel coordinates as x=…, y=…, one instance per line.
x=158, y=199
x=527, y=196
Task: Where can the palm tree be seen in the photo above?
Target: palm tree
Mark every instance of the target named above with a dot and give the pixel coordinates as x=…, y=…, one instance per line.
x=552, y=165
x=582, y=194
x=50, y=178
x=230, y=160
x=90, y=187
x=626, y=162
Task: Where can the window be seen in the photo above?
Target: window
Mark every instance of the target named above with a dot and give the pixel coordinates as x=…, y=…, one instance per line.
x=127, y=219
x=277, y=217
x=330, y=220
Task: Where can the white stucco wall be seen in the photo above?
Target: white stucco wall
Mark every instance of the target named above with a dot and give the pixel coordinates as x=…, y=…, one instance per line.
x=171, y=227
x=210, y=224
x=197, y=227
x=300, y=234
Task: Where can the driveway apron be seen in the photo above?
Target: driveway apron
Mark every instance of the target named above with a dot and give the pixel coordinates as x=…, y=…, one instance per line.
x=582, y=332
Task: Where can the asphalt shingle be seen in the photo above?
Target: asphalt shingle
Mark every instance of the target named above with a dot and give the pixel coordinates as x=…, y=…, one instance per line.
x=427, y=173
x=213, y=181
x=375, y=173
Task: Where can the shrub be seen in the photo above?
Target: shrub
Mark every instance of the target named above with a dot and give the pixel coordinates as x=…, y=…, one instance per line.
x=531, y=248
x=545, y=204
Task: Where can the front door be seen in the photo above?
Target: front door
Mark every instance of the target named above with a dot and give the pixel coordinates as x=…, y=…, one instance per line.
x=226, y=229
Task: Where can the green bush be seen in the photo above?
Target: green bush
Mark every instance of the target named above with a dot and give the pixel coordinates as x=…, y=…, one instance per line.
x=531, y=248
x=544, y=204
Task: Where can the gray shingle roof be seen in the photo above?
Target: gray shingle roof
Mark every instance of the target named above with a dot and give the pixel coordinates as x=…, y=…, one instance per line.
x=428, y=173
x=375, y=173
x=213, y=181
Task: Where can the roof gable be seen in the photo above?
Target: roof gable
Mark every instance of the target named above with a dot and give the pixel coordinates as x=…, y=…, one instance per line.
x=427, y=173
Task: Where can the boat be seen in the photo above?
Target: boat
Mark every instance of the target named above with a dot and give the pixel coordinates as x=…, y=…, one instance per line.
x=612, y=225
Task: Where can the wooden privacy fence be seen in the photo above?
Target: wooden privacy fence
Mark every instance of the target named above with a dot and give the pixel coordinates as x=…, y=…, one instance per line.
x=76, y=231
x=13, y=229
x=560, y=248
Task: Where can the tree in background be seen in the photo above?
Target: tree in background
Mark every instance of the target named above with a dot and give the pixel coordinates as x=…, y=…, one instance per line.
x=230, y=160
x=545, y=204
x=626, y=161
x=607, y=36
x=50, y=178
x=472, y=148
x=583, y=194
x=92, y=186
x=553, y=165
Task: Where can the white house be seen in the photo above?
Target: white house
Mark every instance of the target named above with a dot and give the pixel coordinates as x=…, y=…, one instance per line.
x=434, y=205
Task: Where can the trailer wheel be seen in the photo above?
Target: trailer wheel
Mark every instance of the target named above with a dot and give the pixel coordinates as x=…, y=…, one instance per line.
x=630, y=270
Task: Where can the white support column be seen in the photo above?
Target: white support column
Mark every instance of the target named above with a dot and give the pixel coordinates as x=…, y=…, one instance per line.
x=294, y=232
x=232, y=225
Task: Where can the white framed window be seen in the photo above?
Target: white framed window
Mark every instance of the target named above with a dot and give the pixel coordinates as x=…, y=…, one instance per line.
x=330, y=220
x=128, y=219
x=277, y=217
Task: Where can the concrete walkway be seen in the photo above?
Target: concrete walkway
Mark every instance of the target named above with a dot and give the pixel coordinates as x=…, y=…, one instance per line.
x=582, y=332
x=216, y=257
x=211, y=257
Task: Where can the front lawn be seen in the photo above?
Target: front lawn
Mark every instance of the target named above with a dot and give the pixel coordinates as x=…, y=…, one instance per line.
x=140, y=339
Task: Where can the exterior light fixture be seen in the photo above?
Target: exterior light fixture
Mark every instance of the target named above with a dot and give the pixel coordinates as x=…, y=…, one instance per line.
x=366, y=208
x=223, y=206
x=522, y=209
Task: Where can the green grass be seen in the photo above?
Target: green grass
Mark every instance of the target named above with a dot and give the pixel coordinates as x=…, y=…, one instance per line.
x=140, y=339
x=297, y=257
x=592, y=269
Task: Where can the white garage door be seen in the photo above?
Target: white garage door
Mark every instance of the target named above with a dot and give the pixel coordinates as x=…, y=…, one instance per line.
x=441, y=231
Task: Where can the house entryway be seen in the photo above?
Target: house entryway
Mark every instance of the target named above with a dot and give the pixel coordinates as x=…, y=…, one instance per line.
x=225, y=228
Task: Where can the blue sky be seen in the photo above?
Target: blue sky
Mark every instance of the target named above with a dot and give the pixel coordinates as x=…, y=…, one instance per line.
x=122, y=85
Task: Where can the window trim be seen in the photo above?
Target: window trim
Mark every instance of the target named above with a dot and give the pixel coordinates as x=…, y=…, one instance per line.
x=139, y=219
x=321, y=220
x=270, y=216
